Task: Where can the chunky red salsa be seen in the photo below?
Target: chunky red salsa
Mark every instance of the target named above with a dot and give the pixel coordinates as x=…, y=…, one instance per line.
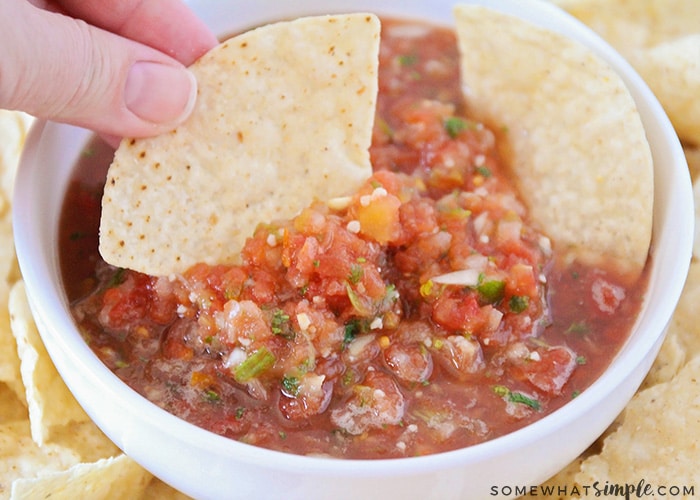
x=423, y=314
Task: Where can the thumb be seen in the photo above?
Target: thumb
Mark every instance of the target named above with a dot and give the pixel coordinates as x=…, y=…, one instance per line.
x=60, y=68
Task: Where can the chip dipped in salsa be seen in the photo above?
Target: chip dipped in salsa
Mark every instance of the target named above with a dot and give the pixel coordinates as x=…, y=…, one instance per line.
x=424, y=313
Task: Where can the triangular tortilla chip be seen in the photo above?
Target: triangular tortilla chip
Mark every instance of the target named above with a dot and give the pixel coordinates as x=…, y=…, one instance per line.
x=49, y=400
x=573, y=135
x=107, y=479
x=284, y=115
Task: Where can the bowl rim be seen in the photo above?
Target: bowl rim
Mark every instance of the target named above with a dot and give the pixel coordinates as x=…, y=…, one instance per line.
x=49, y=304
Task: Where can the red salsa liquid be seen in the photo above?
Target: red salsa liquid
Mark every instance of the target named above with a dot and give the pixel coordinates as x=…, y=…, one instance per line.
x=423, y=314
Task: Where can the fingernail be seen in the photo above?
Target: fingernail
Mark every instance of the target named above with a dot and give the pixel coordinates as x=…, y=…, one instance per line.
x=159, y=93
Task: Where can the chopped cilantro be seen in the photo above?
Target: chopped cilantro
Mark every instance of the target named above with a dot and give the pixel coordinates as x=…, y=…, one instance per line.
x=290, y=386
x=581, y=360
x=484, y=171
x=516, y=397
x=240, y=411
x=117, y=278
x=212, y=396
x=518, y=303
x=352, y=329
x=407, y=59
x=280, y=324
x=454, y=125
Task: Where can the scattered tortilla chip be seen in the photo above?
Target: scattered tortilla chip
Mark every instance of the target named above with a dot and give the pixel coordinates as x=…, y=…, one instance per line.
x=284, y=115
x=670, y=360
x=49, y=400
x=672, y=71
x=12, y=408
x=86, y=439
x=12, y=132
x=21, y=457
x=563, y=482
x=109, y=479
x=9, y=362
x=682, y=341
x=696, y=236
x=692, y=155
x=629, y=24
x=661, y=39
x=571, y=131
x=14, y=127
x=158, y=490
x=654, y=441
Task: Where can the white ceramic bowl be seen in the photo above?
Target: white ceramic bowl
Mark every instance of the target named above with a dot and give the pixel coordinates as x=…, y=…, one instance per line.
x=205, y=465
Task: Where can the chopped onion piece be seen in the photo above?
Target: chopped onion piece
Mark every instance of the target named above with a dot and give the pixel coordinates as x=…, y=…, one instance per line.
x=465, y=277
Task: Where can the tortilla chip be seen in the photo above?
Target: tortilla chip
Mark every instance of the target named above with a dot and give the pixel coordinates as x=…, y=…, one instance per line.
x=158, y=490
x=672, y=71
x=86, y=439
x=108, y=479
x=558, y=486
x=692, y=155
x=9, y=362
x=629, y=24
x=696, y=235
x=682, y=341
x=21, y=457
x=655, y=441
x=12, y=408
x=571, y=131
x=661, y=39
x=14, y=127
x=49, y=400
x=284, y=115
x=11, y=139
x=669, y=361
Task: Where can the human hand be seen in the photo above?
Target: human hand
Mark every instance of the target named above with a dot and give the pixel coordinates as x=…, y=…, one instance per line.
x=114, y=67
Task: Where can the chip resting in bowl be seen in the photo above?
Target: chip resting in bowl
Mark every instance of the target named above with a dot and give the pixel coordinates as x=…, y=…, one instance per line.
x=284, y=115
x=571, y=133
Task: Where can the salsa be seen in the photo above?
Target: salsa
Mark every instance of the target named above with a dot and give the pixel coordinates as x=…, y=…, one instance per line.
x=425, y=313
